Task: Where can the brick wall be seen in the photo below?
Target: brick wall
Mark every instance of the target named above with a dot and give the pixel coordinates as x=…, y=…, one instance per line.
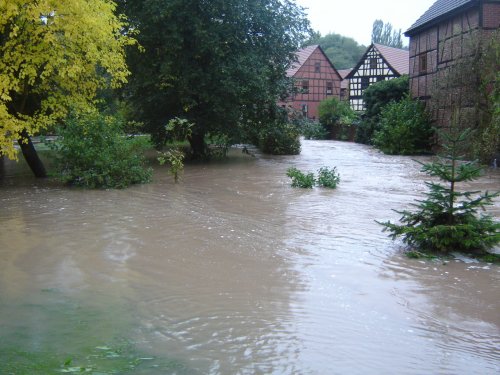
x=491, y=16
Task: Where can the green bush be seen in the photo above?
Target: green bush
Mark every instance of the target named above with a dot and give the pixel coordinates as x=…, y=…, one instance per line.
x=279, y=139
x=93, y=152
x=448, y=220
x=300, y=179
x=328, y=178
x=375, y=98
x=404, y=128
x=333, y=111
x=312, y=129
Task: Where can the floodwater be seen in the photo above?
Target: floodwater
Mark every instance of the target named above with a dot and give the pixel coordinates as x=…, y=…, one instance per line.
x=232, y=271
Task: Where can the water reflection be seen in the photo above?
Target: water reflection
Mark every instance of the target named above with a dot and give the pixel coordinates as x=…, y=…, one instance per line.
x=232, y=271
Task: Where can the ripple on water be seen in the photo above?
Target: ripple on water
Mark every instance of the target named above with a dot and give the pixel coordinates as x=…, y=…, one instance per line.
x=233, y=271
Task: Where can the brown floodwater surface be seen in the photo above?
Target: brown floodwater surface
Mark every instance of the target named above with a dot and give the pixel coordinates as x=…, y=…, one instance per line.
x=232, y=271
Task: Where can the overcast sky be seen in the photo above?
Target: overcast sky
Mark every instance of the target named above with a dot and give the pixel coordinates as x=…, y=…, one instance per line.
x=354, y=18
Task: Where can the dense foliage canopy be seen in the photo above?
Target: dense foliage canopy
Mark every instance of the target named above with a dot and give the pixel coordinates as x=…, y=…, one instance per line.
x=343, y=52
x=376, y=97
x=55, y=55
x=219, y=64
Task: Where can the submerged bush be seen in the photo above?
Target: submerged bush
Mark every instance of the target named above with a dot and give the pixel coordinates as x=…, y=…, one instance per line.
x=328, y=178
x=300, y=179
x=404, y=128
x=94, y=152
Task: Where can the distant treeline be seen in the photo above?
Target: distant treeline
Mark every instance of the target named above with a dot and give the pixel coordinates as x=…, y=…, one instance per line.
x=343, y=52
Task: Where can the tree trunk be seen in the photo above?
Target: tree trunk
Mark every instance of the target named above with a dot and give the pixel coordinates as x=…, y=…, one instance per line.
x=198, y=146
x=31, y=155
x=2, y=167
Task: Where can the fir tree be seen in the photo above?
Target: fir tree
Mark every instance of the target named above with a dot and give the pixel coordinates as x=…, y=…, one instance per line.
x=449, y=220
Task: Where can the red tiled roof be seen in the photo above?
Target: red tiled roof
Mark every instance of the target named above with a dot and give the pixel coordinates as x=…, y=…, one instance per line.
x=398, y=59
x=302, y=55
x=343, y=73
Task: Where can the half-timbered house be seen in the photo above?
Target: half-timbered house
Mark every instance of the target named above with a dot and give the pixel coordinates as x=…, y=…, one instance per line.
x=379, y=63
x=447, y=33
x=316, y=79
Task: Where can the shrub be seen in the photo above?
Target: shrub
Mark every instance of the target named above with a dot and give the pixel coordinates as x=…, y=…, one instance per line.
x=175, y=158
x=328, y=178
x=94, y=152
x=300, y=179
x=279, y=138
x=404, y=128
x=312, y=129
x=332, y=110
x=376, y=97
x=448, y=220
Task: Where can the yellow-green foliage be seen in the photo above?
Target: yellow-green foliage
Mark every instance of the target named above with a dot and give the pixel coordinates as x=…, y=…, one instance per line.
x=55, y=54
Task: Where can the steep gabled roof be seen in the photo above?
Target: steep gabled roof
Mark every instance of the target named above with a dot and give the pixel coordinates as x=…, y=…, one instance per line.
x=398, y=59
x=302, y=55
x=439, y=10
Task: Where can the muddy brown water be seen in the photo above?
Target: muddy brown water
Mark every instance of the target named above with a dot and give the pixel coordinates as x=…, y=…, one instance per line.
x=232, y=271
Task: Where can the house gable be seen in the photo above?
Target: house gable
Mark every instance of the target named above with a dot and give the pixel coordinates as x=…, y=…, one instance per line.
x=379, y=63
x=316, y=79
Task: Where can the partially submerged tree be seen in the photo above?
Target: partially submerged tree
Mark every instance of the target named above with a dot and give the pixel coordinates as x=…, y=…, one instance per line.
x=448, y=219
x=55, y=55
x=219, y=64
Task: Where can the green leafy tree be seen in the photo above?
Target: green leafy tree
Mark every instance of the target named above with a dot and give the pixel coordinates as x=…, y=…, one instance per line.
x=219, y=64
x=55, y=55
x=375, y=97
x=383, y=33
x=343, y=52
x=404, y=128
x=448, y=220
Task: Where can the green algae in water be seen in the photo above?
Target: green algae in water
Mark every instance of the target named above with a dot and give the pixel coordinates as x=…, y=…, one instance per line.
x=51, y=333
x=123, y=359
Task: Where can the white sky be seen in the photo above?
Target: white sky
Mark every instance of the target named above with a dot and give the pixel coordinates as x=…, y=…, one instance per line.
x=354, y=18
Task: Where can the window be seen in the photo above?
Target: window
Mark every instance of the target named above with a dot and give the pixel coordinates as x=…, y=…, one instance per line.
x=422, y=63
x=317, y=67
x=373, y=63
x=365, y=82
x=305, y=87
x=380, y=78
x=329, y=88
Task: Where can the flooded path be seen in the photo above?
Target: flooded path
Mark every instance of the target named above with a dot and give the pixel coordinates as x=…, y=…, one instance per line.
x=232, y=271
